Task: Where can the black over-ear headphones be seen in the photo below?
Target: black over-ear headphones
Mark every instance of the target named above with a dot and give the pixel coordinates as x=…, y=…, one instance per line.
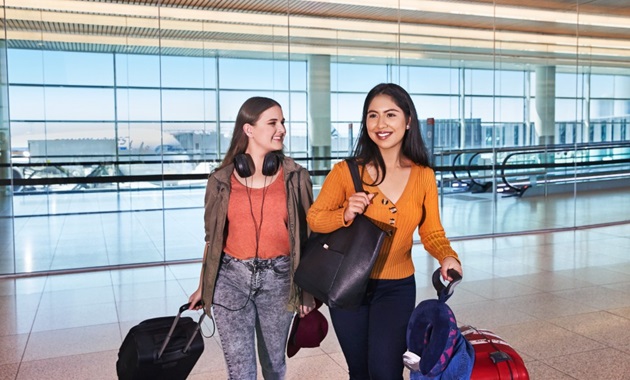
x=244, y=164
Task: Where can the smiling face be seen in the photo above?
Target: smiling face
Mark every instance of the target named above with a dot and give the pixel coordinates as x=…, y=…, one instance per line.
x=267, y=133
x=386, y=123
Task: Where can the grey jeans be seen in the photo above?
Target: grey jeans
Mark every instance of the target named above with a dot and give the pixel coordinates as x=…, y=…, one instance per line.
x=251, y=297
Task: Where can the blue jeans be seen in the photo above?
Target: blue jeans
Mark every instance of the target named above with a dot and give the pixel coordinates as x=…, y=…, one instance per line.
x=252, y=299
x=373, y=337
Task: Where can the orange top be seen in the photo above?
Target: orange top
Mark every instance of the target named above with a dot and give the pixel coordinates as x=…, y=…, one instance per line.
x=245, y=221
x=394, y=260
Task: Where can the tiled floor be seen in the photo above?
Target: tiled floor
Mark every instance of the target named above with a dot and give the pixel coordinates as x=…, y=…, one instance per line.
x=561, y=299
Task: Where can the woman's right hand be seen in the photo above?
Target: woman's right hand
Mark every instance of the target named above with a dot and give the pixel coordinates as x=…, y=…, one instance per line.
x=195, y=299
x=308, y=304
x=357, y=203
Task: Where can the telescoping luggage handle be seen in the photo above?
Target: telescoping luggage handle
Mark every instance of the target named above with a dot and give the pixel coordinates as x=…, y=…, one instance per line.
x=170, y=332
x=444, y=292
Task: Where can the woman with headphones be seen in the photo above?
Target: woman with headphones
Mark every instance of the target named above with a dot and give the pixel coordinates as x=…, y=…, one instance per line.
x=255, y=224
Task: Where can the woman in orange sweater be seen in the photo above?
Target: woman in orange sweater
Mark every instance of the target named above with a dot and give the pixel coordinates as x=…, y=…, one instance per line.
x=400, y=189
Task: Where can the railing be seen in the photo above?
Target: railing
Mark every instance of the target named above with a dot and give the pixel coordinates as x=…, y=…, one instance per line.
x=523, y=167
x=91, y=173
x=514, y=170
x=566, y=164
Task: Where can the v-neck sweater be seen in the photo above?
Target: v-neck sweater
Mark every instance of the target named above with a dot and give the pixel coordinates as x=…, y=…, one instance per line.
x=394, y=260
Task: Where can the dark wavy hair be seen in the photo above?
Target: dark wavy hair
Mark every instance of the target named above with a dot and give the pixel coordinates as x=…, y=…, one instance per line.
x=413, y=147
x=249, y=113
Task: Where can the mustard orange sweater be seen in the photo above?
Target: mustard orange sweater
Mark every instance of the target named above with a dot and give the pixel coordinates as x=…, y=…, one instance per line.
x=394, y=261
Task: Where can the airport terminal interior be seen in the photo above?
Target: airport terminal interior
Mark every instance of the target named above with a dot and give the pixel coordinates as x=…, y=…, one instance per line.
x=113, y=113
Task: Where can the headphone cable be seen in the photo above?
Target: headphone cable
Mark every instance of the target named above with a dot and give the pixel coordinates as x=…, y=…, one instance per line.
x=257, y=230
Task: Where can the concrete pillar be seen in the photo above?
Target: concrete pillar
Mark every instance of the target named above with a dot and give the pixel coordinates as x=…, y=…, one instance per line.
x=319, y=112
x=545, y=104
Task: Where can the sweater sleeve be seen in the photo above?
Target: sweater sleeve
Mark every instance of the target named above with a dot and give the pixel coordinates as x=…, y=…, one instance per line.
x=326, y=213
x=431, y=231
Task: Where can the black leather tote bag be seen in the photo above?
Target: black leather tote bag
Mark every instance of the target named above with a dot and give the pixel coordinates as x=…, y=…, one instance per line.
x=335, y=267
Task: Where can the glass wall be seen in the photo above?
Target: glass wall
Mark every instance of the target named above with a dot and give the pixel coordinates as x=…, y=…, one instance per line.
x=113, y=114
x=7, y=256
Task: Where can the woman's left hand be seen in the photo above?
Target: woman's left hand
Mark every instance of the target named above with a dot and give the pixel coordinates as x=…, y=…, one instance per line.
x=308, y=304
x=450, y=263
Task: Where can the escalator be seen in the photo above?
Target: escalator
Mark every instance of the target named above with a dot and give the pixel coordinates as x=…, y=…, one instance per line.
x=538, y=170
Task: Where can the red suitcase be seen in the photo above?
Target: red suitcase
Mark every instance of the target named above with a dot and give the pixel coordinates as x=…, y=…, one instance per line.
x=494, y=358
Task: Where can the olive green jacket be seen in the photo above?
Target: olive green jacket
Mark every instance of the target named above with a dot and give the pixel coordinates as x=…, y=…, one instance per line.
x=299, y=189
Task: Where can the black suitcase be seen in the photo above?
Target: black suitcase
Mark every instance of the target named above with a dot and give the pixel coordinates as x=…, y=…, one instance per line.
x=164, y=348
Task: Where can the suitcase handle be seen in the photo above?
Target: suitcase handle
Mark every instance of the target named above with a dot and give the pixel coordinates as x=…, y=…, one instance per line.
x=186, y=306
x=170, y=332
x=444, y=292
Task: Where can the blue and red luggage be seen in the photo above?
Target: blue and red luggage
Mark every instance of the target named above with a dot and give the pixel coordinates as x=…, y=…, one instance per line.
x=437, y=349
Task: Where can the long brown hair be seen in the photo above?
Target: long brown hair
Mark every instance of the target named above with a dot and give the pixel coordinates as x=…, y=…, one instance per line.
x=249, y=113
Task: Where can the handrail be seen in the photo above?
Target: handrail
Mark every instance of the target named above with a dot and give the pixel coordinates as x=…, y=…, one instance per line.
x=513, y=151
x=469, y=166
x=597, y=145
x=63, y=176
x=457, y=156
x=520, y=190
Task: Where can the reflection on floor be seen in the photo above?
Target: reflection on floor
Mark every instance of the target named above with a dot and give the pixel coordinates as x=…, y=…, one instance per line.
x=111, y=229
x=561, y=299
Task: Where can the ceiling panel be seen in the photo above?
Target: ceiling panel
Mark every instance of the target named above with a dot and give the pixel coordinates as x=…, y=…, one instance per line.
x=544, y=31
